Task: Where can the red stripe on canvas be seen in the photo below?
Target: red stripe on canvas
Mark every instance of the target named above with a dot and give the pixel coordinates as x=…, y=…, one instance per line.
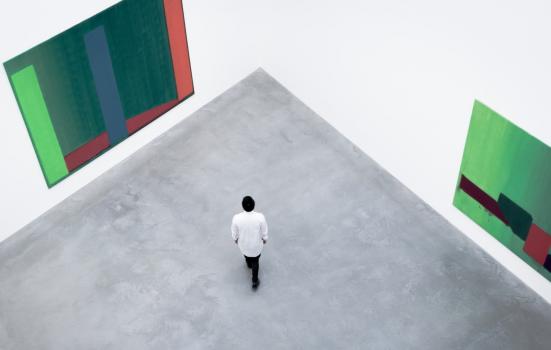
x=137, y=122
x=87, y=151
x=174, y=14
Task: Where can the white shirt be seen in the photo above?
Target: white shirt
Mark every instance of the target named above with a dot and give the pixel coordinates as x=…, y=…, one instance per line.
x=249, y=229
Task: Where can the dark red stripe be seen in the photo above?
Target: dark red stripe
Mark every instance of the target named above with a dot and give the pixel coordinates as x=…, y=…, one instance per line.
x=86, y=152
x=137, y=122
x=482, y=197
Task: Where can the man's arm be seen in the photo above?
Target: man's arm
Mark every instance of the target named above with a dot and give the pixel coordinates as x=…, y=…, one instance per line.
x=234, y=230
x=264, y=229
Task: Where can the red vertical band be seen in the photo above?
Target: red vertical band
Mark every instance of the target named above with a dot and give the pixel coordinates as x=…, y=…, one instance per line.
x=174, y=14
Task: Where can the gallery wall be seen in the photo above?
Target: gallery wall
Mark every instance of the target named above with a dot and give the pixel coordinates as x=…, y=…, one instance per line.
x=398, y=78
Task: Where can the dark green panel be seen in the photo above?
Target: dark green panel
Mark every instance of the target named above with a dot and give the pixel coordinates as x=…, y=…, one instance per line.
x=145, y=77
x=518, y=219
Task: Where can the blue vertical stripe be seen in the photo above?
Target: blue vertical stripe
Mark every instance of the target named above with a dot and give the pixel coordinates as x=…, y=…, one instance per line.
x=106, y=85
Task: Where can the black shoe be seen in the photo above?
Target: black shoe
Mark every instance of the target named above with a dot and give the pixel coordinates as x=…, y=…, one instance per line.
x=255, y=284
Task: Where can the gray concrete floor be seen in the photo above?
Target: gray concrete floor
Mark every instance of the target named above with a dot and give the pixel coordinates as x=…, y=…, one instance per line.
x=142, y=258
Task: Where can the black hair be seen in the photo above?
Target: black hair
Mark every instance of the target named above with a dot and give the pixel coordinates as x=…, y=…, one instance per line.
x=248, y=203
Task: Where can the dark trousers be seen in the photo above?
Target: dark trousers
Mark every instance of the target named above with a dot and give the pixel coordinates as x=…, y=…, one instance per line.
x=253, y=263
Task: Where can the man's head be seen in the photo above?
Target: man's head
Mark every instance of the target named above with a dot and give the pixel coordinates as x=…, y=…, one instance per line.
x=248, y=203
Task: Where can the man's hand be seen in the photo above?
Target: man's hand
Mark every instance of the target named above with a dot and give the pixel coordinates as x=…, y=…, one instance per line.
x=264, y=241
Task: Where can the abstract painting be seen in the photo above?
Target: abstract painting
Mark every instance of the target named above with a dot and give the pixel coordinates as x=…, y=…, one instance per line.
x=505, y=186
x=90, y=87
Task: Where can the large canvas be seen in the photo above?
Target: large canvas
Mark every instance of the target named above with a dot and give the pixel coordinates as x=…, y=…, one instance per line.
x=505, y=186
x=90, y=87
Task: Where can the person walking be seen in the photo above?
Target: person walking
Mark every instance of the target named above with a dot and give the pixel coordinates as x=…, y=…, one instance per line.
x=250, y=232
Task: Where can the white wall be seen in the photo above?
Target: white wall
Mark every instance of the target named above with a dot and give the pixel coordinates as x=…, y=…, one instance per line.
x=398, y=78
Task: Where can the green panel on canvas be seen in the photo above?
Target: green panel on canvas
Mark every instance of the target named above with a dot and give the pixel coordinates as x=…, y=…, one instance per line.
x=512, y=167
x=502, y=158
x=35, y=113
x=138, y=41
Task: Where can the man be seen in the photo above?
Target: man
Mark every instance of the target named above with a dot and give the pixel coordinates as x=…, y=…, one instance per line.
x=250, y=232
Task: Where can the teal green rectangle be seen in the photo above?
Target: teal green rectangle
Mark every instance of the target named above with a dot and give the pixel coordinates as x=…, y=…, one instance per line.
x=35, y=113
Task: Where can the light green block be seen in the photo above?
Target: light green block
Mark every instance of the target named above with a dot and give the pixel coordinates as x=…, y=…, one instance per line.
x=35, y=113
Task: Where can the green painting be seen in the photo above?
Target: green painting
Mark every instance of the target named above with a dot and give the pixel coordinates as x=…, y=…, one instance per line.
x=504, y=186
x=87, y=89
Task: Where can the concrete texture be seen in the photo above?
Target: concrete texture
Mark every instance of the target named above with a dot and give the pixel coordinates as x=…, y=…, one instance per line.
x=142, y=258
